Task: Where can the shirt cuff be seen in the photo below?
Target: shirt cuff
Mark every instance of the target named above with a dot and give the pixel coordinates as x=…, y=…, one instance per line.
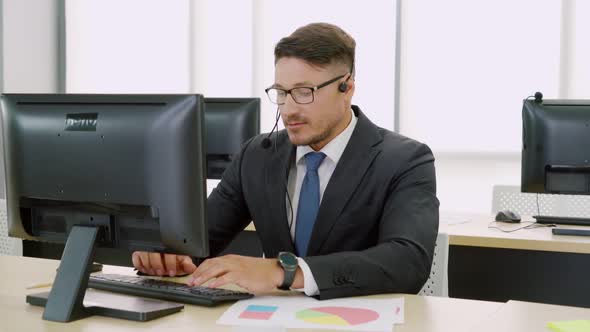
x=310, y=287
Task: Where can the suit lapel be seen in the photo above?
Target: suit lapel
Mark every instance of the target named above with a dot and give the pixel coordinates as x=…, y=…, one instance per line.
x=356, y=159
x=276, y=171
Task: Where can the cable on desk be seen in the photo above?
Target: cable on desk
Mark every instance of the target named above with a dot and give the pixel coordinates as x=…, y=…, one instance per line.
x=532, y=225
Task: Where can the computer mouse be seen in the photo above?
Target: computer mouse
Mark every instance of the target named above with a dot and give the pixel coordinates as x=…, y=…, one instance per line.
x=507, y=216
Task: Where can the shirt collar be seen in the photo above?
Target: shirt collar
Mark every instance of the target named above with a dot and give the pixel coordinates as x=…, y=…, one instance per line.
x=335, y=148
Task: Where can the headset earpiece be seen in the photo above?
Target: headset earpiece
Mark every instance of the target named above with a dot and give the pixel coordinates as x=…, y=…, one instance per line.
x=342, y=87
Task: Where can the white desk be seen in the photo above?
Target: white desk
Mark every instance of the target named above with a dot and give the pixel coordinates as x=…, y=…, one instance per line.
x=476, y=232
x=516, y=316
x=423, y=314
x=528, y=264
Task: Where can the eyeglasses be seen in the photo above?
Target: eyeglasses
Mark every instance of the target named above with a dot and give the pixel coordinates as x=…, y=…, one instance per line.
x=301, y=95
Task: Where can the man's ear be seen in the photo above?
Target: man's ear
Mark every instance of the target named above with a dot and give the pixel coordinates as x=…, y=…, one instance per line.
x=350, y=87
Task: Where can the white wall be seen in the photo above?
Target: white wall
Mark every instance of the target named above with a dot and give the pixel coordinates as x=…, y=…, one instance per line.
x=467, y=65
x=465, y=68
x=222, y=48
x=131, y=46
x=29, y=58
x=579, y=53
x=29, y=46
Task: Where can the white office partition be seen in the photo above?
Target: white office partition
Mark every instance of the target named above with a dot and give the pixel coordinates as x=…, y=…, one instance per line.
x=131, y=46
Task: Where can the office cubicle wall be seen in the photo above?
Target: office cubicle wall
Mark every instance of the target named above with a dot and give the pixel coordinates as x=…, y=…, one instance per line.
x=31, y=51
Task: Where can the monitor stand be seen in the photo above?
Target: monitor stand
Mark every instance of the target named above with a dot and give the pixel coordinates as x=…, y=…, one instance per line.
x=65, y=302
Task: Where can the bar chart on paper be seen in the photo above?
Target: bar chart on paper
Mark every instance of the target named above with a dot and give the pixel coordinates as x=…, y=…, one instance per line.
x=260, y=312
x=338, y=316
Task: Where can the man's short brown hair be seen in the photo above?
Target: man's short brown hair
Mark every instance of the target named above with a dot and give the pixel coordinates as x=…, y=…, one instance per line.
x=318, y=44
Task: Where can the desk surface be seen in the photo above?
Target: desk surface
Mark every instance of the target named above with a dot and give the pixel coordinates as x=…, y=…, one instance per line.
x=476, y=232
x=423, y=314
x=516, y=316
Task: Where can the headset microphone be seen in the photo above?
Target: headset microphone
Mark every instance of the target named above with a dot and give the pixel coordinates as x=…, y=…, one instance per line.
x=266, y=143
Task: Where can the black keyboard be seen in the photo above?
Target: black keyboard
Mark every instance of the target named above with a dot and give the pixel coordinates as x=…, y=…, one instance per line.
x=164, y=290
x=562, y=220
x=569, y=231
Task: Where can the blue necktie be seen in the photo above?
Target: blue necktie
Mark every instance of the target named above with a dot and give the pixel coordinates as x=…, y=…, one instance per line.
x=309, y=202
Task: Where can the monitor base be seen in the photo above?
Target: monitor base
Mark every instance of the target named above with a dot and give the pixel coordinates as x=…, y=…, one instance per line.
x=117, y=305
x=66, y=300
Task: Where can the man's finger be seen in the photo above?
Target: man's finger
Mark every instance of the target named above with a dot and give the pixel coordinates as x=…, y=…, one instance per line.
x=136, y=261
x=204, y=266
x=145, y=261
x=228, y=278
x=157, y=266
x=170, y=264
x=186, y=265
x=214, y=271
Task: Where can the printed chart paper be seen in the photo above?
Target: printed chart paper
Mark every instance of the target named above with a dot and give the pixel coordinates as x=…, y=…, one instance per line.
x=305, y=312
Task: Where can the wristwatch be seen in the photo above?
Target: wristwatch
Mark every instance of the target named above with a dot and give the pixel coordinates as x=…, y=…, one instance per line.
x=288, y=262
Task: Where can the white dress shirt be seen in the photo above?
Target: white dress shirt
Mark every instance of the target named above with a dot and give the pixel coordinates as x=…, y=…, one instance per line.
x=333, y=151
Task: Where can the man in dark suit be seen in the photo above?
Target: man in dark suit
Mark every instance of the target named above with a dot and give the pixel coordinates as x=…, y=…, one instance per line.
x=341, y=206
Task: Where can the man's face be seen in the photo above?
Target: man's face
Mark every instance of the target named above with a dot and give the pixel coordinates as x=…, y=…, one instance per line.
x=317, y=123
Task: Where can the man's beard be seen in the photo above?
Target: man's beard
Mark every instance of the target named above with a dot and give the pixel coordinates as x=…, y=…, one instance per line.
x=317, y=138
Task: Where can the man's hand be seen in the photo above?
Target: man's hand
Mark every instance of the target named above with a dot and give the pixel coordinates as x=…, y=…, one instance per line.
x=162, y=264
x=257, y=275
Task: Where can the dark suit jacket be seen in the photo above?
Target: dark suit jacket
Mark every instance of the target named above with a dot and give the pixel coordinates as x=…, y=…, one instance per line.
x=378, y=220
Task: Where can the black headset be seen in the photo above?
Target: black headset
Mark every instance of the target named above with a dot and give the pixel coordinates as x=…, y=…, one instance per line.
x=343, y=86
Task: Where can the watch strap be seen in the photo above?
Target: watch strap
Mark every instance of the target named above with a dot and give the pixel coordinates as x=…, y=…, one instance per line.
x=289, y=276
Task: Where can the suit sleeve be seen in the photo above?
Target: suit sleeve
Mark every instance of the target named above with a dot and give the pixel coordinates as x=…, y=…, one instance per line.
x=227, y=211
x=400, y=262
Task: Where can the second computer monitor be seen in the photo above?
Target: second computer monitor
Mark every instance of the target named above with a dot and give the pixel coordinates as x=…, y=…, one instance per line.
x=555, y=153
x=229, y=122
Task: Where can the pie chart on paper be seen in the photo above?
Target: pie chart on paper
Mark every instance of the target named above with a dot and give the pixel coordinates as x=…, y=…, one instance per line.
x=337, y=316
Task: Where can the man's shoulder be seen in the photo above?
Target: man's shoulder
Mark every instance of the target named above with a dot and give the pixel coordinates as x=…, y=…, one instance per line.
x=400, y=146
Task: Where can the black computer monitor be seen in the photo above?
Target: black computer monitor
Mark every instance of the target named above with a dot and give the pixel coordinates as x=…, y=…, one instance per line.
x=229, y=122
x=104, y=171
x=555, y=147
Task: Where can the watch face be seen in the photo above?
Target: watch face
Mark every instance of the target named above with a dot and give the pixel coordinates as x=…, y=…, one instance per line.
x=287, y=259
